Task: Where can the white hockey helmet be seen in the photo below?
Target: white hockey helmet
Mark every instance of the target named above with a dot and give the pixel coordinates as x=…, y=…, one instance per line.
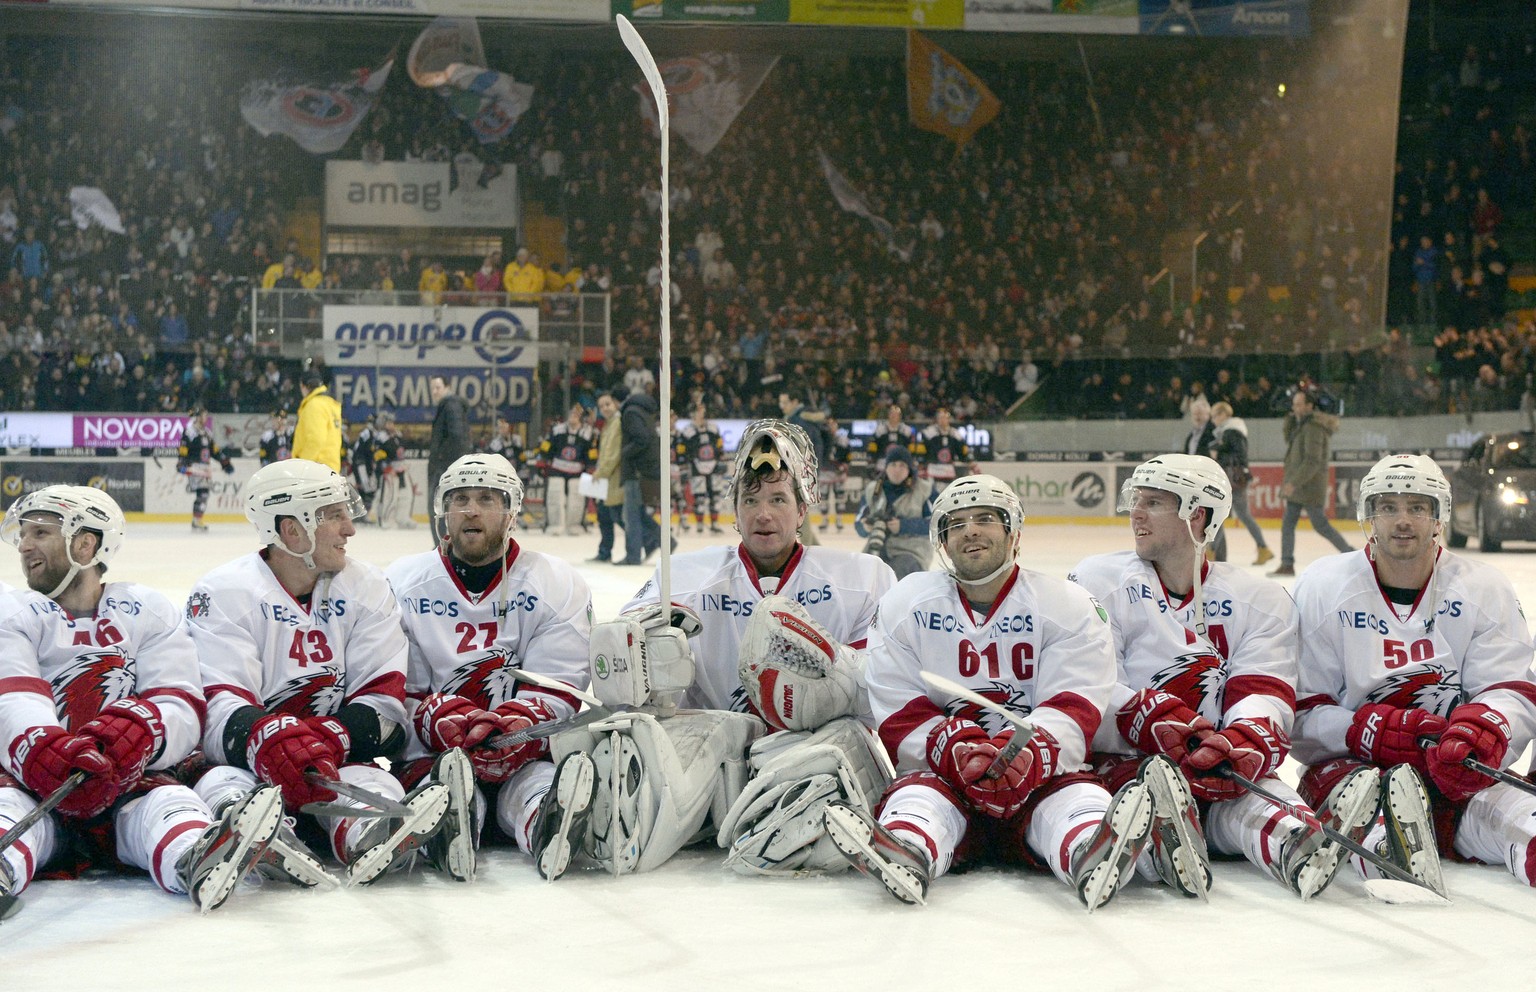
x=1195, y=479
x=973, y=491
x=479, y=471
x=780, y=444
x=1403, y=475
x=298, y=488
x=78, y=508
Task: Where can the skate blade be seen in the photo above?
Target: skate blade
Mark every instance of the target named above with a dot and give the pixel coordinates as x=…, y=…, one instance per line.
x=852, y=836
x=573, y=793
x=255, y=826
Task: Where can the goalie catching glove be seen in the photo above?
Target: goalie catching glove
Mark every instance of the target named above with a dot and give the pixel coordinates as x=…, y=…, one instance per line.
x=643, y=656
x=797, y=676
x=962, y=753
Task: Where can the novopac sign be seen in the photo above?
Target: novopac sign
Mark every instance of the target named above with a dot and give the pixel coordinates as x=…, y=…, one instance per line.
x=128, y=430
x=449, y=337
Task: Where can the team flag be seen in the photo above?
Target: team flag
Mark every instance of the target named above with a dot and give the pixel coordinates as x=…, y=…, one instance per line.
x=943, y=96
x=707, y=92
x=319, y=117
x=449, y=58
x=89, y=205
x=850, y=199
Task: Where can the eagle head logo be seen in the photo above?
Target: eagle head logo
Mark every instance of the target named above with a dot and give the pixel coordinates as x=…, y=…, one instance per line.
x=93, y=681
x=1197, y=678
x=1435, y=688
x=1008, y=696
x=316, y=693
x=488, y=681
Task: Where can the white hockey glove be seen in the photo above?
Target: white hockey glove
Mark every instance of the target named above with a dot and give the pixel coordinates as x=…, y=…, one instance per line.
x=640, y=658
x=776, y=825
x=796, y=675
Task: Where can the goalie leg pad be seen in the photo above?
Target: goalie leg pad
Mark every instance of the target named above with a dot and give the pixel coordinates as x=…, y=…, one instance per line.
x=796, y=674
x=658, y=780
x=776, y=824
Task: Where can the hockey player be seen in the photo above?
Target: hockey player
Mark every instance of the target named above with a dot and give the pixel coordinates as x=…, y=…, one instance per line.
x=361, y=466
x=303, y=654
x=763, y=632
x=397, y=491
x=100, y=678
x=892, y=430
x=277, y=440
x=1207, y=679
x=194, y=459
x=682, y=481
x=506, y=443
x=1402, y=644
x=833, y=472
x=569, y=450
x=1040, y=648
x=704, y=449
x=946, y=456
x=479, y=611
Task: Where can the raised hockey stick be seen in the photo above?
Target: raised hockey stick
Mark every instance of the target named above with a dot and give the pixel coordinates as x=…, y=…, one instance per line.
x=647, y=62
x=1376, y=887
x=9, y=903
x=1482, y=768
x=1023, y=730
x=383, y=804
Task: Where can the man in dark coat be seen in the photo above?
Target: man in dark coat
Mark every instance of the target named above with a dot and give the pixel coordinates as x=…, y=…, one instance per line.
x=450, y=440
x=640, y=473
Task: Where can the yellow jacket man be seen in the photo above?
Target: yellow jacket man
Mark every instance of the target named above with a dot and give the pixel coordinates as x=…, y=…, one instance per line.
x=317, y=436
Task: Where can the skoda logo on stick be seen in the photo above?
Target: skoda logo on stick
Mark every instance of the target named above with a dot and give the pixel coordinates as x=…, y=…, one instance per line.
x=1087, y=490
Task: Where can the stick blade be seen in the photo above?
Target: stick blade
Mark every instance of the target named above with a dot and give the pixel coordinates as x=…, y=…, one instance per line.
x=647, y=62
x=1393, y=892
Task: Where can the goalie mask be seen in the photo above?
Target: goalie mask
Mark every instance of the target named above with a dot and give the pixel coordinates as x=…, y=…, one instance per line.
x=976, y=492
x=79, y=508
x=1405, y=475
x=778, y=445
x=300, y=489
x=1195, y=479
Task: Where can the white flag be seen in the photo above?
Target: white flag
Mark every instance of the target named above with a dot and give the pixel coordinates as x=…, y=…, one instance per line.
x=320, y=117
x=448, y=57
x=89, y=205
x=851, y=200
x=706, y=92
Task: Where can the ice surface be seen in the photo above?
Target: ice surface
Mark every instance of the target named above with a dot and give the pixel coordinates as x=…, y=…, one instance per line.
x=691, y=923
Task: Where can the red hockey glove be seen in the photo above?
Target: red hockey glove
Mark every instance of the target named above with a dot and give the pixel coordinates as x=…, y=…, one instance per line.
x=1388, y=735
x=1252, y=747
x=497, y=764
x=281, y=749
x=445, y=721
x=131, y=734
x=960, y=751
x=1475, y=731
x=1157, y=722
x=1004, y=795
x=330, y=730
x=49, y=755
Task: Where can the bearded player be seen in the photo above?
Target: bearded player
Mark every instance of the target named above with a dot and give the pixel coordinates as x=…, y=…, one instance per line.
x=762, y=634
x=1038, y=647
x=1413, y=660
x=99, y=679
x=479, y=611
x=303, y=659
x=1207, y=680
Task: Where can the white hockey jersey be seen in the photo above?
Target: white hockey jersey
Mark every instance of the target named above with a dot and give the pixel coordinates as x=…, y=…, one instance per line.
x=1245, y=667
x=1044, y=652
x=538, y=617
x=258, y=646
x=61, y=671
x=1470, y=644
x=839, y=589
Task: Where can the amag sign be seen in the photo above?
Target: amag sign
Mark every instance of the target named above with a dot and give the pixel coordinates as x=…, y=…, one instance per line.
x=417, y=194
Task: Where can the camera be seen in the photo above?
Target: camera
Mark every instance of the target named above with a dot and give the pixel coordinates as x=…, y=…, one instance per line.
x=1322, y=399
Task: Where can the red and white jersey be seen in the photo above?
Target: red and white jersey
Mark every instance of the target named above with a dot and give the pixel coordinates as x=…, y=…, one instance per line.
x=1470, y=643
x=537, y=617
x=1245, y=666
x=839, y=589
x=258, y=646
x=1043, y=651
x=61, y=671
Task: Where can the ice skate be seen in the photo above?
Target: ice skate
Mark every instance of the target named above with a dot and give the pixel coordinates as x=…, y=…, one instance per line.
x=387, y=842
x=1308, y=859
x=1178, y=844
x=1410, y=840
x=1099, y=865
x=230, y=847
x=560, y=825
x=878, y=853
x=451, y=849
x=615, y=814
x=288, y=859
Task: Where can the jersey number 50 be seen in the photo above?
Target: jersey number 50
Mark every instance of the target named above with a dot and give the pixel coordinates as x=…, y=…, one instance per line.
x=1396, y=654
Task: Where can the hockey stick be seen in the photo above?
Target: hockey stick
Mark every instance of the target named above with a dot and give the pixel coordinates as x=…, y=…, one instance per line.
x=1497, y=774
x=382, y=804
x=10, y=903
x=1354, y=847
x=1023, y=730
x=549, y=728
x=555, y=685
x=647, y=62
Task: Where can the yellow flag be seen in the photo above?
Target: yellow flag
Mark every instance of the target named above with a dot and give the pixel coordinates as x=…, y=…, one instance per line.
x=943, y=96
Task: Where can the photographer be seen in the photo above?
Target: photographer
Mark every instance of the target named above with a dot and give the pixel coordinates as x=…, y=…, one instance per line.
x=1230, y=449
x=895, y=513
